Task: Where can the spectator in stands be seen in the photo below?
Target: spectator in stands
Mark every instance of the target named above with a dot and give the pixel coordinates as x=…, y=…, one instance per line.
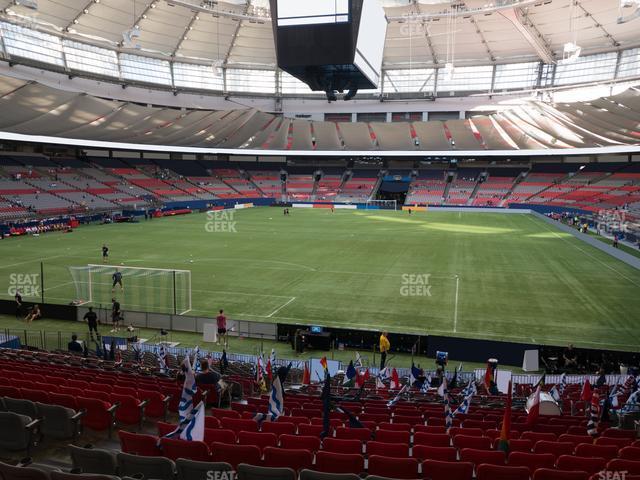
x=207, y=376
x=74, y=345
x=385, y=346
x=570, y=358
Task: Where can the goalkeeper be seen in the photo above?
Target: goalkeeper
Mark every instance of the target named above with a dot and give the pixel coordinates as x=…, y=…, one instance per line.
x=117, y=280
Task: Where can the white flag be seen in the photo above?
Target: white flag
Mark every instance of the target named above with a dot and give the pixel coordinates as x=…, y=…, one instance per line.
x=194, y=431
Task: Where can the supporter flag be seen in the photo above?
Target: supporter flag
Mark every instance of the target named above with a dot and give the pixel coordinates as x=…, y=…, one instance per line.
x=306, y=375
x=194, y=430
x=555, y=393
x=273, y=358
x=397, y=398
x=196, y=360
x=414, y=377
x=161, y=354
x=366, y=375
x=454, y=380
x=488, y=377
x=469, y=392
x=562, y=384
x=350, y=375
x=382, y=375
x=587, y=393
x=395, y=380
x=594, y=415
x=260, y=374
x=271, y=364
x=542, y=382
x=503, y=444
x=425, y=386
x=448, y=416
x=186, y=410
x=631, y=405
x=534, y=411
x=105, y=351
x=442, y=389
x=353, y=421
x=326, y=404
x=358, y=362
x=323, y=362
x=268, y=370
x=276, y=397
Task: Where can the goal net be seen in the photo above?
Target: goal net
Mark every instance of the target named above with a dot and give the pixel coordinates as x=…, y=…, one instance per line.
x=382, y=204
x=143, y=289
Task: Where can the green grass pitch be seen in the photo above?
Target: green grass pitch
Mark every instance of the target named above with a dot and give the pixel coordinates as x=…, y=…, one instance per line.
x=481, y=275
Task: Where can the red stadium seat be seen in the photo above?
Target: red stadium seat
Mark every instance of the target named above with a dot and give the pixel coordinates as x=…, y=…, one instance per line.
x=396, y=427
x=306, y=442
x=191, y=450
x=279, y=428
x=464, y=441
x=261, y=440
x=469, y=432
x=64, y=400
x=477, y=457
x=331, y=462
x=432, y=439
x=341, y=445
x=440, y=429
x=239, y=424
x=618, y=442
x=532, y=461
x=575, y=439
x=130, y=410
x=572, y=463
x=501, y=472
x=393, y=467
x=556, y=448
x=516, y=445
x=396, y=450
x=296, y=459
x=390, y=436
x=537, y=436
x=157, y=403
x=630, y=453
x=551, y=474
x=138, y=444
x=308, y=429
x=607, y=452
x=617, y=433
x=100, y=415
x=632, y=467
x=235, y=454
x=224, y=413
x=362, y=434
x=444, y=454
x=436, y=470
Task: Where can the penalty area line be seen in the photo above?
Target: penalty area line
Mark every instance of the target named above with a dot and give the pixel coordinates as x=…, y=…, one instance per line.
x=455, y=306
x=281, y=307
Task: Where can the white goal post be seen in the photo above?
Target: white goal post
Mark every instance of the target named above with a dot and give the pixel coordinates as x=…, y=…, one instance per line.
x=162, y=290
x=382, y=204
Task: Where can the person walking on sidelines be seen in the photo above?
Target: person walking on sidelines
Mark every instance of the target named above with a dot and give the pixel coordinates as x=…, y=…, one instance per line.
x=385, y=345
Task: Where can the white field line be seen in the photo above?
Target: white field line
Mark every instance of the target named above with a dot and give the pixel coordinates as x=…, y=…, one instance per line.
x=280, y=307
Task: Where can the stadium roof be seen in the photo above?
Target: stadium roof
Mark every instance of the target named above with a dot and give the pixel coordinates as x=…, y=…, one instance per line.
x=35, y=112
x=421, y=33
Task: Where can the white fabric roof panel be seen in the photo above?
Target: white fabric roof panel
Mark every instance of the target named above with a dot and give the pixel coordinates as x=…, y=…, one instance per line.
x=302, y=135
x=356, y=136
x=431, y=135
x=462, y=135
x=253, y=122
x=29, y=103
x=490, y=134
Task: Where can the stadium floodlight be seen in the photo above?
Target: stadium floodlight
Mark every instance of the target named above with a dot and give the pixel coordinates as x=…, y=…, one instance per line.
x=448, y=71
x=144, y=289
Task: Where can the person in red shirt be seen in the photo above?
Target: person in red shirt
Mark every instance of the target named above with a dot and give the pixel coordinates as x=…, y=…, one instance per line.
x=222, y=327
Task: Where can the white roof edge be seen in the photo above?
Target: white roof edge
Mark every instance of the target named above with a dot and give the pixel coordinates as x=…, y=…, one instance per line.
x=317, y=153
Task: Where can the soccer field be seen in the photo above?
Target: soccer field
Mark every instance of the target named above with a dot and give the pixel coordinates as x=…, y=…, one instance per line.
x=481, y=275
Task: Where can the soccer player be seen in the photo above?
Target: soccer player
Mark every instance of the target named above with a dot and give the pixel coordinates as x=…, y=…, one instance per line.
x=92, y=320
x=385, y=345
x=115, y=314
x=35, y=314
x=105, y=254
x=221, y=320
x=117, y=280
x=615, y=241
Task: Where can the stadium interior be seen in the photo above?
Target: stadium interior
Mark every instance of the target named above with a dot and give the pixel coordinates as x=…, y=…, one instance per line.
x=324, y=240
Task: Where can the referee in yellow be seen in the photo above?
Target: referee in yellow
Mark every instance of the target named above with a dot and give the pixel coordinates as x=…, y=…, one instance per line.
x=384, y=348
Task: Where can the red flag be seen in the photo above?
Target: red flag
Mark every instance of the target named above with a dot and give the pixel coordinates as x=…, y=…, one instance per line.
x=587, y=393
x=488, y=377
x=269, y=372
x=534, y=411
x=306, y=375
x=506, y=424
x=323, y=362
x=367, y=375
x=395, y=379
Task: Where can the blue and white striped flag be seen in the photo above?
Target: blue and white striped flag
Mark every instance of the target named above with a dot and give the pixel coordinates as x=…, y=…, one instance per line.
x=186, y=411
x=397, y=398
x=470, y=391
x=161, y=354
x=275, y=407
x=448, y=416
x=194, y=430
x=196, y=360
x=633, y=403
x=563, y=384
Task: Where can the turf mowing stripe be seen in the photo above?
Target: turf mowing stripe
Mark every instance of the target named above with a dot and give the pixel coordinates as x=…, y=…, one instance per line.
x=585, y=252
x=455, y=307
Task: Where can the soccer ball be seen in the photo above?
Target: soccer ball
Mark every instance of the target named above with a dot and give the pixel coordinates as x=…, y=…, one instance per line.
x=190, y=261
